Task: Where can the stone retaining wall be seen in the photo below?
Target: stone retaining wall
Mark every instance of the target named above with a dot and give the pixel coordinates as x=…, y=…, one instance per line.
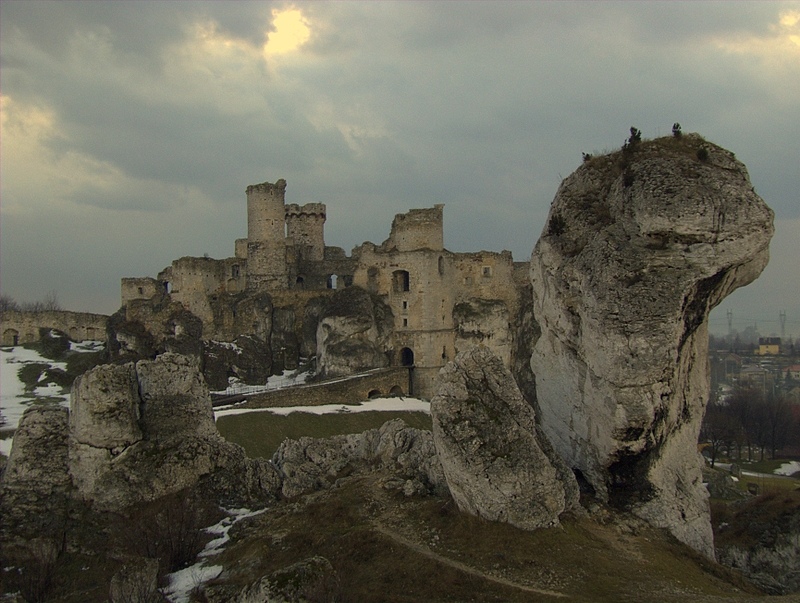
x=348, y=390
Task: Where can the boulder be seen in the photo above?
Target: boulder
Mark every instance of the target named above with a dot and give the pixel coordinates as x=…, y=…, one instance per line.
x=486, y=439
x=312, y=579
x=353, y=334
x=105, y=409
x=35, y=488
x=639, y=246
x=177, y=446
x=310, y=464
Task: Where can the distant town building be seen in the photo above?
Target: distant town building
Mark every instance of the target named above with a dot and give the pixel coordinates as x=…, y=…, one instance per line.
x=769, y=346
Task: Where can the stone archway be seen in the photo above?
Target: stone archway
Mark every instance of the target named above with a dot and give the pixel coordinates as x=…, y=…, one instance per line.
x=10, y=337
x=407, y=357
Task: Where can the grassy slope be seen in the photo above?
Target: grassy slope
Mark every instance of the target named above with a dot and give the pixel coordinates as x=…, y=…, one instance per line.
x=386, y=547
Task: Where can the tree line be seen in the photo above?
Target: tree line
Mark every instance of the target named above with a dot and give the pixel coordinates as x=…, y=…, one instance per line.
x=48, y=304
x=749, y=423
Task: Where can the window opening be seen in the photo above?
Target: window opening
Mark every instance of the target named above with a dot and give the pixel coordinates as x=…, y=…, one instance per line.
x=401, y=281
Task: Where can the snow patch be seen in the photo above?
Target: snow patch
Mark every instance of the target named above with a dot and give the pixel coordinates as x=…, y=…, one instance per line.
x=86, y=346
x=376, y=404
x=285, y=379
x=183, y=582
x=789, y=468
x=14, y=400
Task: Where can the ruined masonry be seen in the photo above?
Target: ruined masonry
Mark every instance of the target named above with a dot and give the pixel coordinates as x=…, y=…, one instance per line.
x=424, y=285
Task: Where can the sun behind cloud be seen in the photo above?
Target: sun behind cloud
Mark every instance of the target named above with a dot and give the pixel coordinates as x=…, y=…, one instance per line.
x=291, y=31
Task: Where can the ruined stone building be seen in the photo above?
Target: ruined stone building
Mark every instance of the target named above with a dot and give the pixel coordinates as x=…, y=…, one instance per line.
x=439, y=300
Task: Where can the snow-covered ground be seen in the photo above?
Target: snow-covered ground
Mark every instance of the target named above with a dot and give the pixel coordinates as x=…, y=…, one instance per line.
x=14, y=400
x=376, y=404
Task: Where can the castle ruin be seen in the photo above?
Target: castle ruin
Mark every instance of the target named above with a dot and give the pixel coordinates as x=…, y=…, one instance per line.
x=441, y=301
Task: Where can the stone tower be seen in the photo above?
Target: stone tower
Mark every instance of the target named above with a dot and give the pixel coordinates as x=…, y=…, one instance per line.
x=266, y=241
x=305, y=228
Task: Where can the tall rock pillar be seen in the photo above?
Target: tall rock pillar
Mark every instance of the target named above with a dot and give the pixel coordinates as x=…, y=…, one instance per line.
x=640, y=245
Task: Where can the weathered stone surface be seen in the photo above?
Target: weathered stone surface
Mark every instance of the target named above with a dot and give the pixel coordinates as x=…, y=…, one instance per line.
x=486, y=439
x=35, y=485
x=484, y=322
x=283, y=341
x=639, y=246
x=309, y=464
x=353, y=334
x=104, y=408
x=312, y=579
x=179, y=444
x=175, y=399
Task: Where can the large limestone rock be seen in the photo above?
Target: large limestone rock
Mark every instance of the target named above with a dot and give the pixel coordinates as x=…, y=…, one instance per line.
x=486, y=439
x=640, y=245
x=140, y=432
x=35, y=487
x=353, y=334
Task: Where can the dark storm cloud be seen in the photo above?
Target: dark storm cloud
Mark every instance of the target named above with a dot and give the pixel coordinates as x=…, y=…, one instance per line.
x=169, y=109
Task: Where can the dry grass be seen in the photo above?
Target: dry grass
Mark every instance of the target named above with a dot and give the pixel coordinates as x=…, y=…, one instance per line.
x=386, y=547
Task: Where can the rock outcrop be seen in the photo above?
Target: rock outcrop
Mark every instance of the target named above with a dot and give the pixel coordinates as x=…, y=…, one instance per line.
x=140, y=432
x=310, y=464
x=639, y=246
x=353, y=334
x=135, y=433
x=307, y=580
x=233, y=342
x=36, y=484
x=487, y=441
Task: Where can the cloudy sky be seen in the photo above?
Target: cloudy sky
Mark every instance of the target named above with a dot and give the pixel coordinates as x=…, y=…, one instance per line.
x=130, y=130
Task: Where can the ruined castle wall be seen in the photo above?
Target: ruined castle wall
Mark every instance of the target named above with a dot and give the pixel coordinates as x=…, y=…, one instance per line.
x=191, y=280
x=417, y=229
x=417, y=285
x=266, y=244
x=23, y=327
x=139, y=288
x=486, y=275
x=305, y=229
x=240, y=249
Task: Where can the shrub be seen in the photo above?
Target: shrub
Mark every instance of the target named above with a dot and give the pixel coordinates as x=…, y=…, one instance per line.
x=676, y=130
x=53, y=344
x=702, y=154
x=30, y=373
x=557, y=225
x=587, y=157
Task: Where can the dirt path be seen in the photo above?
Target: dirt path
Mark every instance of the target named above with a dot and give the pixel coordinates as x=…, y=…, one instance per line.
x=462, y=567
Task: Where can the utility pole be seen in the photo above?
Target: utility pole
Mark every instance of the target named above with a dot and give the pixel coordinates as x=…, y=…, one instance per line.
x=782, y=318
x=730, y=323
